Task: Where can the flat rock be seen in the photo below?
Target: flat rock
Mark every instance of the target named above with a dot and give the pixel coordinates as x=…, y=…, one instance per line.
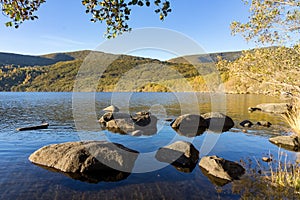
x=290, y=142
x=85, y=157
x=181, y=154
x=189, y=125
x=277, y=108
x=218, y=122
x=221, y=168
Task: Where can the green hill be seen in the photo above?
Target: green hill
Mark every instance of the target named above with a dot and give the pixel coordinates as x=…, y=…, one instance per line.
x=207, y=58
x=108, y=72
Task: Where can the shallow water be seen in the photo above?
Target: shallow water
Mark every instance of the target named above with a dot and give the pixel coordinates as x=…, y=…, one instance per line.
x=20, y=179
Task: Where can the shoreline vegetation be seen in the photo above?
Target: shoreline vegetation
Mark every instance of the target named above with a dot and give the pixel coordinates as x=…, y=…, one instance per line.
x=228, y=72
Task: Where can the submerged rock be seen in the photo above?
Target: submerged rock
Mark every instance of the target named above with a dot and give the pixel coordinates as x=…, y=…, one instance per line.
x=277, y=108
x=86, y=157
x=189, y=125
x=218, y=121
x=289, y=142
x=246, y=123
x=221, y=168
x=181, y=154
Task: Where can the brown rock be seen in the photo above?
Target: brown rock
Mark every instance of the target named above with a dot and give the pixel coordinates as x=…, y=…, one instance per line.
x=85, y=157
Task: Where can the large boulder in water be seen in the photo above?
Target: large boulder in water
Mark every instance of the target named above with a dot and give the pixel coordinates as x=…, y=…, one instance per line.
x=218, y=121
x=189, y=125
x=221, y=168
x=86, y=157
x=181, y=154
x=288, y=142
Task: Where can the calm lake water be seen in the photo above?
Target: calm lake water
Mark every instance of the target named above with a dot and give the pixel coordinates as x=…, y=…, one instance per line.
x=20, y=179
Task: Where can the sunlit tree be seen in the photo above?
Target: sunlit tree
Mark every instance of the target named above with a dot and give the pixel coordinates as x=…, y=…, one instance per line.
x=271, y=21
x=115, y=13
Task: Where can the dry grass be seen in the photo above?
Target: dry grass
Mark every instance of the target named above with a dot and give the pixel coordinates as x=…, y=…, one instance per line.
x=292, y=117
x=278, y=179
x=285, y=174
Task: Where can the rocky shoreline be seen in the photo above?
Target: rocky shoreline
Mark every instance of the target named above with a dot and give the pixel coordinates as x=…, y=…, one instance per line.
x=89, y=160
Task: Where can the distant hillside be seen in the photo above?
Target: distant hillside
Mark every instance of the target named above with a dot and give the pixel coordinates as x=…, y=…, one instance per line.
x=26, y=60
x=58, y=72
x=207, y=58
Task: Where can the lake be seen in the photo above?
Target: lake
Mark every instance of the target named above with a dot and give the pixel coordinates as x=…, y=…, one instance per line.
x=69, y=121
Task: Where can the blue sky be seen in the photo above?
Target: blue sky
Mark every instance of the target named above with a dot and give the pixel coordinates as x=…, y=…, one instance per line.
x=63, y=26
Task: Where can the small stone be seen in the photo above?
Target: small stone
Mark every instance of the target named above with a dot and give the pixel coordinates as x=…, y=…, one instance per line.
x=137, y=133
x=266, y=159
x=246, y=123
x=264, y=123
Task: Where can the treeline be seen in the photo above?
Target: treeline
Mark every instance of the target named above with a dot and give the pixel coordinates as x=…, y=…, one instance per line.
x=266, y=71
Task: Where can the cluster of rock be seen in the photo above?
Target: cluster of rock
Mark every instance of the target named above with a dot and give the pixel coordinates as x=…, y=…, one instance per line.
x=141, y=123
x=288, y=142
x=192, y=125
x=247, y=123
x=95, y=161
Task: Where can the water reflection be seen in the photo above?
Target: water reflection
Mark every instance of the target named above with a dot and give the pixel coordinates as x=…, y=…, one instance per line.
x=95, y=177
x=213, y=179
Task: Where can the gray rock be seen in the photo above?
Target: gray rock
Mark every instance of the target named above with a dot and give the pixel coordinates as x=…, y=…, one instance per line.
x=277, y=108
x=144, y=119
x=85, y=157
x=189, y=125
x=218, y=122
x=111, y=115
x=289, y=142
x=181, y=154
x=124, y=123
x=264, y=123
x=111, y=108
x=120, y=125
x=221, y=168
x=246, y=123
